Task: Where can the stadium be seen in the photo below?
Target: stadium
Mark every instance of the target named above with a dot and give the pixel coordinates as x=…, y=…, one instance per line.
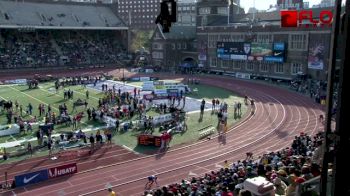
x=81, y=113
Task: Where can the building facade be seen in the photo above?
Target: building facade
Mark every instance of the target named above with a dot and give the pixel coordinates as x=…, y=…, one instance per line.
x=176, y=49
x=298, y=45
x=290, y=4
x=305, y=50
x=139, y=14
x=186, y=12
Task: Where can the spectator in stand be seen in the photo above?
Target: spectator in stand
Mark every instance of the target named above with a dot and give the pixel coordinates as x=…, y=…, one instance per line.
x=280, y=186
x=226, y=164
x=286, y=169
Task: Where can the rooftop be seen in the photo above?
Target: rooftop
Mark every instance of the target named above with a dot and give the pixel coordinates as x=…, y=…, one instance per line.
x=45, y=15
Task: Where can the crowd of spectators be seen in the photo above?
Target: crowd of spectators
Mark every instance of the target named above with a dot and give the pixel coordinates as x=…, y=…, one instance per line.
x=18, y=50
x=285, y=169
x=89, y=49
x=49, y=49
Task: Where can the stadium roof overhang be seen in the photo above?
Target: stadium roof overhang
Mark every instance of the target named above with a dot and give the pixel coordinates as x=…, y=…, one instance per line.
x=61, y=27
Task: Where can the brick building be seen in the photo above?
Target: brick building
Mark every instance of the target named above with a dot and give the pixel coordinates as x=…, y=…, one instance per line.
x=175, y=49
x=139, y=14
x=215, y=25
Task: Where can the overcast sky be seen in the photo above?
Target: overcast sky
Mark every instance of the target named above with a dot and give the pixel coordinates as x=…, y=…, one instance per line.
x=265, y=4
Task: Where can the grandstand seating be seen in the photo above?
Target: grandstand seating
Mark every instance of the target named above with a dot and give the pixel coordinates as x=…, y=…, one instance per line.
x=58, y=48
x=286, y=169
x=36, y=35
x=59, y=15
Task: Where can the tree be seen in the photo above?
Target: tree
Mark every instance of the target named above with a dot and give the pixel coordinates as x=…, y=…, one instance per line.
x=140, y=39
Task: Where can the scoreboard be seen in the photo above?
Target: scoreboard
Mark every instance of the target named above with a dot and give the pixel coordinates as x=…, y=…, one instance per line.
x=149, y=140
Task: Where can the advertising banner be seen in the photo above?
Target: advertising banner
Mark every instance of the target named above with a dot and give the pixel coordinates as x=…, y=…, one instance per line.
x=233, y=50
x=135, y=79
x=173, y=92
x=162, y=118
x=31, y=178
x=260, y=50
x=159, y=88
x=272, y=52
x=148, y=86
x=149, y=140
x=242, y=75
x=18, y=81
x=278, y=54
x=63, y=170
x=318, y=48
x=145, y=79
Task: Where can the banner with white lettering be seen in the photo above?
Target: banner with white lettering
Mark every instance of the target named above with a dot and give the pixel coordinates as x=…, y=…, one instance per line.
x=162, y=118
x=63, y=170
x=31, y=178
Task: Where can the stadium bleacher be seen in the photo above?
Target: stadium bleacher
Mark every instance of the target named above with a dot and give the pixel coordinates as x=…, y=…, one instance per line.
x=37, y=35
x=285, y=169
x=60, y=15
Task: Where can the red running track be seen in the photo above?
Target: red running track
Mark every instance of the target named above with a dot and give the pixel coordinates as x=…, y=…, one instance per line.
x=279, y=116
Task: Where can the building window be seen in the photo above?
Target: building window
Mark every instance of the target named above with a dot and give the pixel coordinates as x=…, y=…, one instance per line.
x=213, y=39
x=173, y=46
x=157, y=55
x=236, y=64
x=237, y=37
x=264, y=67
x=157, y=46
x=193, y=18
x=213, y=62
x=296, y=68
x=279, y=68
x=250, y=66
x=204, y=10
x=222, y=10
x=225, y=64
x=179, y=46
x=184, y=46
x=264, y=38
x=298, y=42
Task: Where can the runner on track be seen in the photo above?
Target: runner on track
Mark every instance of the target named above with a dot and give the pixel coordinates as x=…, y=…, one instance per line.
x=151, y=180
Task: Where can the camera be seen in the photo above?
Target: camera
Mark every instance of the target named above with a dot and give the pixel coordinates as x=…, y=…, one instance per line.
x=168, y=9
